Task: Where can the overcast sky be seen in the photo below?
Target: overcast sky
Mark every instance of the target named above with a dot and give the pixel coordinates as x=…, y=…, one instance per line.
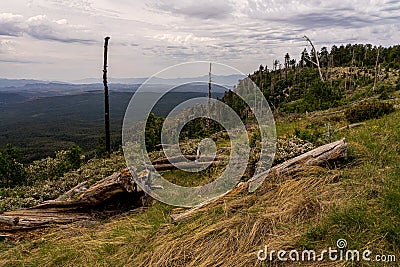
x=63, y=39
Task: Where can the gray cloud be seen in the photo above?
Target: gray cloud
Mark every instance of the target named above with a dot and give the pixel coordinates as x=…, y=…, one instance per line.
x=41, y=28
x=83, y=5
x=329, y=19
x=10, y=24
x=316, y=14
x=6, y=47
x=205, y=10
x=18, y=61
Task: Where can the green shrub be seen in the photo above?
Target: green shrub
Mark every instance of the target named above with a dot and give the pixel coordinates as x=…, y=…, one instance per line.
x=312, y=135
x=384, y=96
x=153, y=131
x=53, y=168
x=12, y=172
x=320, y=96
x=368, y=110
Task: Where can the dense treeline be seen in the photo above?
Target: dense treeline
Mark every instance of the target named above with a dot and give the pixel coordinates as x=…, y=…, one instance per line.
x=295, y=86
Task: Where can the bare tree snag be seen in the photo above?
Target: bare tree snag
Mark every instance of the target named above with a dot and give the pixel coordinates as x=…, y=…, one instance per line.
x=376, y=70
x=209, y=99
x=351, y=71
x=106, y=99
x=316, y=58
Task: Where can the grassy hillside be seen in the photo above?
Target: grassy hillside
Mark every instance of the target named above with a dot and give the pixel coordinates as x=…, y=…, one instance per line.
x=357, y=201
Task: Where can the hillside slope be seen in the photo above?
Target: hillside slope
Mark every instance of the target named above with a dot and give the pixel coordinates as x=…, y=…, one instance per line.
x=357, y=201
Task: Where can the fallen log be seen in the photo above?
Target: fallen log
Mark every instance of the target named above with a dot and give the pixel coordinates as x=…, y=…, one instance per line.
x=188, y=165
x=317, y=157
x=182, y=159
x=354, y=125
x=80, y=188
x=118, y=186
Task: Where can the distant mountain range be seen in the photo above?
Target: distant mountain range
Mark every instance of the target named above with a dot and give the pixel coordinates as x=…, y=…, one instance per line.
x=17, y=91
x=226, y=80
x=18, y=82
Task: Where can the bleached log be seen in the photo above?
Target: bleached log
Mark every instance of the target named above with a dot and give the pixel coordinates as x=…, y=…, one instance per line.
x=354, y=125
x=178, y=159
x=321, y=155
x=317, y=157
x=189, y=165
x=66, y=211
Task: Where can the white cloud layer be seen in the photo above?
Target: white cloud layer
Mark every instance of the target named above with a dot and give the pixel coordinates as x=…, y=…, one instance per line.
x=41, y=28
x=51, y=36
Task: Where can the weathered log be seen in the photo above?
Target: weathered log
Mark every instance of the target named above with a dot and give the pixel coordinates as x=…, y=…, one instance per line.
x=354, y=125
x=317, y=157
x=188, y=165
x=178, y=159
x=80, y=188
x=66, y=211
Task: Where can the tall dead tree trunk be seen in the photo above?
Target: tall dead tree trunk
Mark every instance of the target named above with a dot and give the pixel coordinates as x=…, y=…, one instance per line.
x=376, y=70
x=351, y=72
x=330, y=69
x=316, y=58
x=106, y=99
x=209, y=100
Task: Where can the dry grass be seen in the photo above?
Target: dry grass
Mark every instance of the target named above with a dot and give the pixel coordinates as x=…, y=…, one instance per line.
x=313, y=208
x=228, y=233
x=231, y=232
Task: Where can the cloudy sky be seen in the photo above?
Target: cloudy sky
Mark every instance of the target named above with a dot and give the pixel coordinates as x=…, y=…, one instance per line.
x=63, y=39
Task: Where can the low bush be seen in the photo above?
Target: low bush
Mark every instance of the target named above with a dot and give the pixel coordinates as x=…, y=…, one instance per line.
x=53, y=168
x=368, y=110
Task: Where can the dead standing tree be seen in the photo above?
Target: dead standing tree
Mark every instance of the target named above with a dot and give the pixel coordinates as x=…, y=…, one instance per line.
x=316, y=58
x=106, y=99
x=209, y=100
x=376, y=69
